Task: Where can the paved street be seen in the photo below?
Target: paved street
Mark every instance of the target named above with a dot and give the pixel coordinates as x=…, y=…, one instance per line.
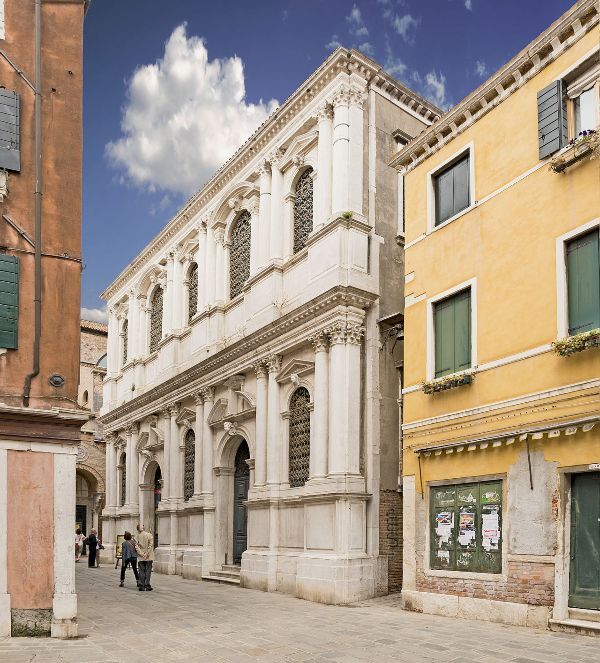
x=185, y=620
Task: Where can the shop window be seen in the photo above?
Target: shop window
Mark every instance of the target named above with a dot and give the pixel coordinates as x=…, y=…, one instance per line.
x=466, y=527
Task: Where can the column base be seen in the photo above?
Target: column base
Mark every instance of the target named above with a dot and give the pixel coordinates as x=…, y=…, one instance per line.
x=5, y=619
x=165, y=560
x=64, y=628
x=192, y=563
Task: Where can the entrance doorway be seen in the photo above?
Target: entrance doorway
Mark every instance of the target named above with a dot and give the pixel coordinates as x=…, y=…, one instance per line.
x=157, y=496
x=241, y=483
x=584, y=577
x=81, y=518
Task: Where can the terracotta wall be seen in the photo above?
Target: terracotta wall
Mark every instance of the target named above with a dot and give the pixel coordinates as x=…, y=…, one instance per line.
x=30, y=516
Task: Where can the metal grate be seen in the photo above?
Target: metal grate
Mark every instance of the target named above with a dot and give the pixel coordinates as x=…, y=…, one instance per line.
x=123, y=479
x=156, y=315
x=303, y=210
x=188, y=465
x=193, y=292
x=125, y=330
x=239, y=258
x=299, y=437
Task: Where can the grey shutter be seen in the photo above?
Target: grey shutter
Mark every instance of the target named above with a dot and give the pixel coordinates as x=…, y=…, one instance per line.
x=9, y=301
x=10, y=143
x=552, y=118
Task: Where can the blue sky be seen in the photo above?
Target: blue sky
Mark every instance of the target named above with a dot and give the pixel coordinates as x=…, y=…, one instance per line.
x=172, y=88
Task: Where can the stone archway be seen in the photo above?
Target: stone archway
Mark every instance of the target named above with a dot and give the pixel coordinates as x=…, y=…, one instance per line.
x=151, y=489
x=241, y=484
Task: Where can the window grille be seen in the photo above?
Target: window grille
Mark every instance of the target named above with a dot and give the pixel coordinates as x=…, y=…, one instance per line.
x=156, y=315
x=303, y=210
x=193, y=292
x=239, y=258
x=188, y=465
x=299, y=437
x=123, y=479
x=125, y=329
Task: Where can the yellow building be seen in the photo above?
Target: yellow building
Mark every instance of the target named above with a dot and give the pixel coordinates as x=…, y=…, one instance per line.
x=501, y=394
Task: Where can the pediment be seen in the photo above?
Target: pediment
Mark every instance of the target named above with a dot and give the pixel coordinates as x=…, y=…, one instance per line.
x=143, y=440
x=295, y=367
x=186, y=416
x=218, y=412
x=299, y=146
x=156, y=439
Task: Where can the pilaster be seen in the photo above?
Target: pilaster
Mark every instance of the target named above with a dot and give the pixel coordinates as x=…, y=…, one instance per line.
x=261, y=424
x=324, y=165
x=274, y=422
x=276, y=230
x=264, y=172
x=341, y=151
x=319, y=439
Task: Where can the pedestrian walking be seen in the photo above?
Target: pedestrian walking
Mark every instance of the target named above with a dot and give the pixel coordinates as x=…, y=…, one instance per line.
x=145, y=550
x=79, y=539
x=92, y=542
x=128, y=558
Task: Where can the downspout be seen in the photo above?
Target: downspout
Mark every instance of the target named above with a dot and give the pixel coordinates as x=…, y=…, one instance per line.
x=37, y=237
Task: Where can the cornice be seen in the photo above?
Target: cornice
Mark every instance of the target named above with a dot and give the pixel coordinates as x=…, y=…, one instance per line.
x=268, y=340
x=340, y=61
x=547, y=47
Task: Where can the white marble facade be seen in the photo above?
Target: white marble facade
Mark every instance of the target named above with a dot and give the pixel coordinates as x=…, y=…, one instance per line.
x=293, y=357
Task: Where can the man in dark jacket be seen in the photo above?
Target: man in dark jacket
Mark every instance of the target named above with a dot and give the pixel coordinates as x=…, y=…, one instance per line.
x=92, y=542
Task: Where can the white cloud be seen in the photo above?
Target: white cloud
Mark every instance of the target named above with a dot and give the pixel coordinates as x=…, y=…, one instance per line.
x=184, y=117
x=357, y=24
x=367, y=48
x=405, y=25
x=435, y=89
x=481, y=69
x=469, y=4
x=392, y=64
x=94, y=314
x=333, y=43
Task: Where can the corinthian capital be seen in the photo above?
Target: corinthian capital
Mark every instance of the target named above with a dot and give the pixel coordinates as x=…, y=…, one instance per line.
x=320, y=341
x=274, y=363
x=275, y=157
x=324, y=113
x=219, y=235
x=341, y=97
x=208, y=393
x=173, y=409
x=264, y=168
x=354, y=333
x=260, y=368
x=337, y=333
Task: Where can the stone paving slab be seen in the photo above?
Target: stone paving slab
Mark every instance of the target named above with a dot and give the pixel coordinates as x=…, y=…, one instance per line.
x=187, y=620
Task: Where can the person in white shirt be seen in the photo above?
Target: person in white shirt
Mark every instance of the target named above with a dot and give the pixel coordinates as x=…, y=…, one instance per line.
x=79, y=538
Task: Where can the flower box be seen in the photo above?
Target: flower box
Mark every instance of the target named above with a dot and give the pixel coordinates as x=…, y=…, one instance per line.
x=586, y=144
x=447, y=382
x=577, y=343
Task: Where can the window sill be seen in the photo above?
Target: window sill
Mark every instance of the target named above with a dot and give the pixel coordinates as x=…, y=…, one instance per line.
x=565, y=347
x=465, y=575
x=573, y=153
x=434, y=228
x=451, y=381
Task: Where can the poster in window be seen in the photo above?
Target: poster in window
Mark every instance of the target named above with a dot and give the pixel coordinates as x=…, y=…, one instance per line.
x=466, y=527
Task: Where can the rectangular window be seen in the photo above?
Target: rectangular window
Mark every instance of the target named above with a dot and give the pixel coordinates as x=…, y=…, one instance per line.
x=10, y=130
x=583, y=282
x=452, y=333
x=585, y=111
x=452, y=193
x=9, y=301
x=466, y=527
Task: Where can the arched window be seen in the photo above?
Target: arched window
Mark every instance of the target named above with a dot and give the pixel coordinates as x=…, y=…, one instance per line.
x=156, y=315
x=102, y=362
x=299, y=437
x=192, y=292
x=303, y=209
x=239, y=256
x=123, y=479
x=85, y=397
x=188, y=464
x=125, y=334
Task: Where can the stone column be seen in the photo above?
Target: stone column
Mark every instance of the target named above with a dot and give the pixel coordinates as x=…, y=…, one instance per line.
x=198, y=447
x=276, y=231
x=274, y=422
x=261, y=424
x=219, y=234
x=324, y=165
x=132, y=328
x=201, y=262
x=344, y=399
x=209, y=272
x=341, y=151
x=264, y=171
x=175, y=488
x=110, y=467
x=133, y=474
x=179, y=275
x=168, y=297
x=356, y=148
x=255, y=238
x=166, y=474
x=208, y=393
x=129, y=482
x=112, y=345
x=319, y=438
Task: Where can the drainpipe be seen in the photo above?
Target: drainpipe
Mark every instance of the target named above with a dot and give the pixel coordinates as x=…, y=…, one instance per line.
x=37, y=237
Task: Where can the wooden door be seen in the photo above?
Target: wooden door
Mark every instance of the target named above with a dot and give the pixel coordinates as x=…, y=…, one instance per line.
x=584, y=579
x=241, y=483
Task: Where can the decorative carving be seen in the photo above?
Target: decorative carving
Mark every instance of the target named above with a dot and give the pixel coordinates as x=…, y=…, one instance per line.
x=325, y=113
x=208, y=394
x=299, y=451
x=239, y=255
x=341, y=97
x=230, y=428
x=253, y=207
x=198, y=398
x=219, y=235
x=275, y=158
x=173, y=409
x=320, y=341
x=295, y=379
x=354, y=333
x=274, y=363
x=260, y=368
x=264, y=168
x=303, y=210
x=337, y=333
x=234, y=203
x=299, y=160
x=82, y=454
x=357, y=97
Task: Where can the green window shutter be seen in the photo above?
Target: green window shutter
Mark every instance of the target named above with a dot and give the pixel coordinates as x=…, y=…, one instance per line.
x=9, y=301
x=452, y=330
x=552, y=118
x=452, y=193
x=583, y=283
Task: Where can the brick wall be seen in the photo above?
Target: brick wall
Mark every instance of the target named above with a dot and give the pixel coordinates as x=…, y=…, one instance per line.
x=527, y=582
x=390, y=535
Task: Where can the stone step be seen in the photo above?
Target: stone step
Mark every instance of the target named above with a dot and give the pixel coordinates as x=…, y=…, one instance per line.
x=229, y=577
x=232, y=567
x=579, y=626
x=584, y=615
